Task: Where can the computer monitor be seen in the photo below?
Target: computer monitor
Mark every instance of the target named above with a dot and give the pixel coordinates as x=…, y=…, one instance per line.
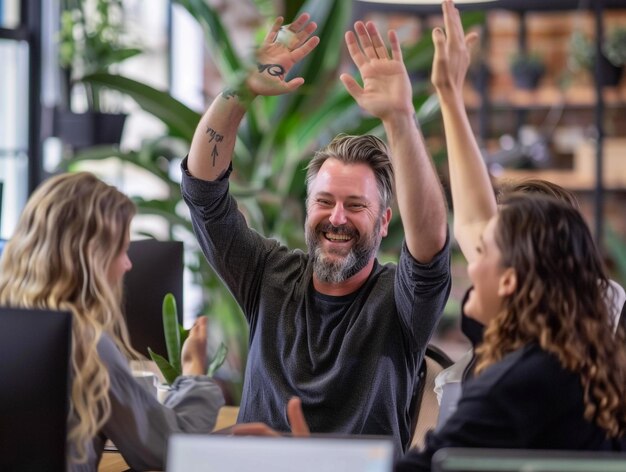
x=157, y=270
x=525, y=460
x=205, y=453
x=35, y=347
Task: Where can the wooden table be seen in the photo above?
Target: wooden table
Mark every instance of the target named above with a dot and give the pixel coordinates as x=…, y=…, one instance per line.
x=113, y=461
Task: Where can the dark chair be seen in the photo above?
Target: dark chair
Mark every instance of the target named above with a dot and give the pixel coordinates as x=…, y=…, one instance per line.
x=35, y=349
x=424, y=406
x=157, y=270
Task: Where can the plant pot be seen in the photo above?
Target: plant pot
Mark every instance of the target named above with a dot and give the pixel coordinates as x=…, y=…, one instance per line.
x=81, y=130
x=610, y=74
x=479, y=76
x=527, y=79
x=162, y=392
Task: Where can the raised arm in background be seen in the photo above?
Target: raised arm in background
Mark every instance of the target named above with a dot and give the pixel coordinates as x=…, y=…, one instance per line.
x=386, y=93
x=214, y=139
x=473, y=199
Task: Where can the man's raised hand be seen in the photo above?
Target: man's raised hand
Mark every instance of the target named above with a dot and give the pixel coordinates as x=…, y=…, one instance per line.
x=386, y=86
x=282, y=48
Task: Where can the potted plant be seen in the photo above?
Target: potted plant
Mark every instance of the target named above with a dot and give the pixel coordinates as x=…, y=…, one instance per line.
x=91, y=40
x=175, y=336
x=614, y=48
x=527, y=69
x=479, y=75
x=612, y=57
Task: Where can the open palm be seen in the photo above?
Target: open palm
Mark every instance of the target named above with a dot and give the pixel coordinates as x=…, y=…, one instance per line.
x=282, y=48
x=386, y=87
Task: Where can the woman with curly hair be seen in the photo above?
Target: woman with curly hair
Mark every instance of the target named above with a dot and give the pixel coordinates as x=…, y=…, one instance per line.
x=473, y=196
x=550, y=373
x=69, y=253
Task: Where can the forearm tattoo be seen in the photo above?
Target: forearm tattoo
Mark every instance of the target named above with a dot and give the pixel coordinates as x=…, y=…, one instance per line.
x=275, y=70
x=215, y=138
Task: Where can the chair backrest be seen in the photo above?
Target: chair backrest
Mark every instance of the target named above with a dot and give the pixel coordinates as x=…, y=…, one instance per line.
x=35, y=347
x=425, y=407
x=157, y=270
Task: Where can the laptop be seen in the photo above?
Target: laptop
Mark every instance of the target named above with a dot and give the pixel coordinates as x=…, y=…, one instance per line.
x=526, y=460
x=35, y=348
x=320, y=453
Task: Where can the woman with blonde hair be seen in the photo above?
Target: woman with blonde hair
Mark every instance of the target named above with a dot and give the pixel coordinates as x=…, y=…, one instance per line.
x=69, y=252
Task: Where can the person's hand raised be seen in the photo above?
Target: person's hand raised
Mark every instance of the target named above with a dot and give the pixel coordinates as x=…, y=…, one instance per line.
x=452, y=52
x=193, y=355
x=386, y=86
x=282, y=48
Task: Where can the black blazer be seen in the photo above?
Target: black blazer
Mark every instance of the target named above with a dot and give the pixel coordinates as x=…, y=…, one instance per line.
x=525, y=401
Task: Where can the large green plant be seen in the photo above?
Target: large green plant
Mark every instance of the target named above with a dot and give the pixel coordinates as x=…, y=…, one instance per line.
x=92, y=38
x=274, y=143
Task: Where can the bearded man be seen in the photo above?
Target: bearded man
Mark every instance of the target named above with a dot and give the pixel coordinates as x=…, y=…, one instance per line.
x=331, y=326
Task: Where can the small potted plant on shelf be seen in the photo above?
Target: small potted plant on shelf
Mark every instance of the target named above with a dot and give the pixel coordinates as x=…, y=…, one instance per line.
x=92, y=39
x=527, y=69
x=175, y=336
x=612, y=57
x=479, y=75
x=614, y=49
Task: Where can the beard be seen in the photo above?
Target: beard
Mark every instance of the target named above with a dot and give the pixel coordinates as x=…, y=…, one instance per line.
x=339, y=265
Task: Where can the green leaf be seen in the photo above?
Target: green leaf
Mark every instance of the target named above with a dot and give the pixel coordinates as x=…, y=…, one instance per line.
x=180, y=119
x=218, y=359
x=131, y=157
x=184, y=334
x=218, y=41
x=172, y=333
x=117, y=56
x=168, y=370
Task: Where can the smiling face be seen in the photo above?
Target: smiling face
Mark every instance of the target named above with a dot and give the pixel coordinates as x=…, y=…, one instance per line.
x=490, y=279
x=345, y=222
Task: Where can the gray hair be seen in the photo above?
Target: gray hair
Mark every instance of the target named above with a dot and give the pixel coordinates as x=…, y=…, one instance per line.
x=365, y=149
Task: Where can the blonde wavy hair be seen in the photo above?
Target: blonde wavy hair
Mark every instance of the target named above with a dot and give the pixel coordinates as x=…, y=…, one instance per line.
x=559, y=303
x=71, y=230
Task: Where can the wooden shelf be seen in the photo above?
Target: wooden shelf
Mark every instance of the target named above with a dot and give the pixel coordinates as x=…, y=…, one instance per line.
x=582, y=176
x=547, y=97
x=569, y=179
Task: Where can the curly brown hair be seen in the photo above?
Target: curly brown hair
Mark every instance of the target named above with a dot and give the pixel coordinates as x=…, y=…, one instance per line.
x=559, y=303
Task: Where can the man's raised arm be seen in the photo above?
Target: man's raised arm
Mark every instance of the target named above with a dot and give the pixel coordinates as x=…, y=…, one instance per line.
x=386, y=94
x=214, y=139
